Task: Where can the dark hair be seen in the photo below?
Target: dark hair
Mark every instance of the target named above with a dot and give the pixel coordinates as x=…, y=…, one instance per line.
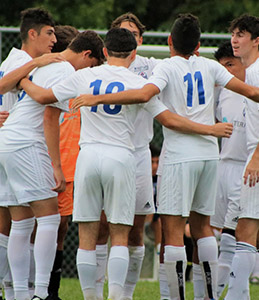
x=120, y=42
x=155, y=151
x=246, y=23
x=34, y=18
x=129, y=17
x=64, y=34
x=224, y=50
x=185, y=33
x=88, y=40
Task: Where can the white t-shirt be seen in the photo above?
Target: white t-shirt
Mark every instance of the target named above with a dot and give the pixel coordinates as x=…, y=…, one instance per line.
x=24, y=126
x=231, y=108
x=14, y=60
x=106, y=124
x=143, y=66
x=252, y=109
x=187, y=88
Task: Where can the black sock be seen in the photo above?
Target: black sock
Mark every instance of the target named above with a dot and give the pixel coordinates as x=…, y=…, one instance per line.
x=55, y=276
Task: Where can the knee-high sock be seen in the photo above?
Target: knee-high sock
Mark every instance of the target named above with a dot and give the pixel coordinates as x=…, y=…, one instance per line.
x=242, y=267
x=3, y=255
x=227, y=252
x=44, y=252
x=208, y=257
x=163, y=283
x=198, y=282
x=19, y=261
x=32, y=271
x=86, y=267
x=136, y=256
x=118, y=264
x=175, y=263
x=101, y=259
x=8, y=286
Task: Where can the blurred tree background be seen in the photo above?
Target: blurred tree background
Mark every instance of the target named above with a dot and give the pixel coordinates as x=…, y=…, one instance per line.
x=214, y=15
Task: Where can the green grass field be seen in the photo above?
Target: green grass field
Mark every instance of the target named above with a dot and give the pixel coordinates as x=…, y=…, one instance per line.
x=145, y=290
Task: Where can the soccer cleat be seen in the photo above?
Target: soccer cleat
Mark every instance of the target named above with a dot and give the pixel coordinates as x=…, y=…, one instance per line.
x=36, y=298
x=52, y=297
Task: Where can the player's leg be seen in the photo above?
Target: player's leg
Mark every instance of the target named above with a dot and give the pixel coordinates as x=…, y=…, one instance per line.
x=244, y=259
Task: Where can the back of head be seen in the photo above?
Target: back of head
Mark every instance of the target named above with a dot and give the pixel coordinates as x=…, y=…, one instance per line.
x=186, y=34
x=120, y=42
x=34, y=18
x=129, y=17
x=64, y=34
x=246, y=23
x=88, y=40
x=224, y=51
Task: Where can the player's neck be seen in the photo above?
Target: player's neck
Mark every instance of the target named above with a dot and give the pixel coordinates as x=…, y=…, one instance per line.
x=119, y=62
x=249, y=59
x=30, y=50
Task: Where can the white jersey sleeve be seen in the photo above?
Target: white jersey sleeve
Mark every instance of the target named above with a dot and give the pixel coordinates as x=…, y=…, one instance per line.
x=14, y=60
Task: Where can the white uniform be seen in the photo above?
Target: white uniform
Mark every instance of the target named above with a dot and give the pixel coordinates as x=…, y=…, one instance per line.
x=233, y=155
x=25, y=167
x=143, y=66
x=190, y=162
x=105, y=170
x=249, y=202
x=14, y=60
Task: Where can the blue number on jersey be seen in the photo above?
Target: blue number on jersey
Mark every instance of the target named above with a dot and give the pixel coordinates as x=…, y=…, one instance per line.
x=23, y=93
x=1, y=96
x=198, y=78
x=107, y=107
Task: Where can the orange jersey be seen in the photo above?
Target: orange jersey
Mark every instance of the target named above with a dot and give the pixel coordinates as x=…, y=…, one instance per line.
x=69, y=138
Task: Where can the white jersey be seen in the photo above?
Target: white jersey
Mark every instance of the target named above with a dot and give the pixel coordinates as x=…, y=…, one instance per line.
x=252, y=109
x=231, y=108
x=106, y=124
x=24, y=126
x=14, y=60
x=187, y=87
x=143, y=66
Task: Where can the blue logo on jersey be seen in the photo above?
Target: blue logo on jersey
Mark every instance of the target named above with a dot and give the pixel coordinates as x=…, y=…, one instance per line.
x=225, y=120
x=1, y=96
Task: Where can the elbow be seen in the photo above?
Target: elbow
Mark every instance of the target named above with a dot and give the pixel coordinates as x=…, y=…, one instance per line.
x=144, y=97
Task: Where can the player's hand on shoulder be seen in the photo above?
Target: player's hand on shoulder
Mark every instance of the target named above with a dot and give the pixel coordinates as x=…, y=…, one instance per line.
x=222, y=130
x=3, y=116
x=48, y=58
x=84, y=100
x=60, y=180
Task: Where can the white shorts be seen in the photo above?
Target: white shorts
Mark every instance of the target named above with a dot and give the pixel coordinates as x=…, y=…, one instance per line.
x=249, y=201
x=227, y=208
x=26, y=175
x=105, y=178
x=144, y=185
x=188, y=186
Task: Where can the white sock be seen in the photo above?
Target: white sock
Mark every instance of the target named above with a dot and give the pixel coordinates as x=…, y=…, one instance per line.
x=3, y=255
x=163, y=283
x=101, y=259
x=19, y=261
x=208, y=257
x=256, y=267
x=198, y=282
x=8, y=286
x=32, y=271
x=136, y=256
x=118, y=263
x=227, y=252
x=242, y=267
x=175, y=264
x=44, y=252
x=86, y=267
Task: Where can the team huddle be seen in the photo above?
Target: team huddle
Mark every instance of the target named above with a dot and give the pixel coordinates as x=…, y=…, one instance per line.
x=107, y=185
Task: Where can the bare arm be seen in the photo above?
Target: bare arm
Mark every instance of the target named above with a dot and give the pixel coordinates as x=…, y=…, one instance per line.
x=252, y=170
x=51, y=131
x=3, y=116
x=244, y=89
x=126, y=97
x=37, y=93
x=179, y=123
x=10, y=80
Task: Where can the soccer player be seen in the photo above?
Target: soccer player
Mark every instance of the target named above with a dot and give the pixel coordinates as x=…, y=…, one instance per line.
x=188, y=180
x=245, y=42
x=142, y=66
x=23, y=147
x=37, y=35
x=105, y=166
x=233, y=155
